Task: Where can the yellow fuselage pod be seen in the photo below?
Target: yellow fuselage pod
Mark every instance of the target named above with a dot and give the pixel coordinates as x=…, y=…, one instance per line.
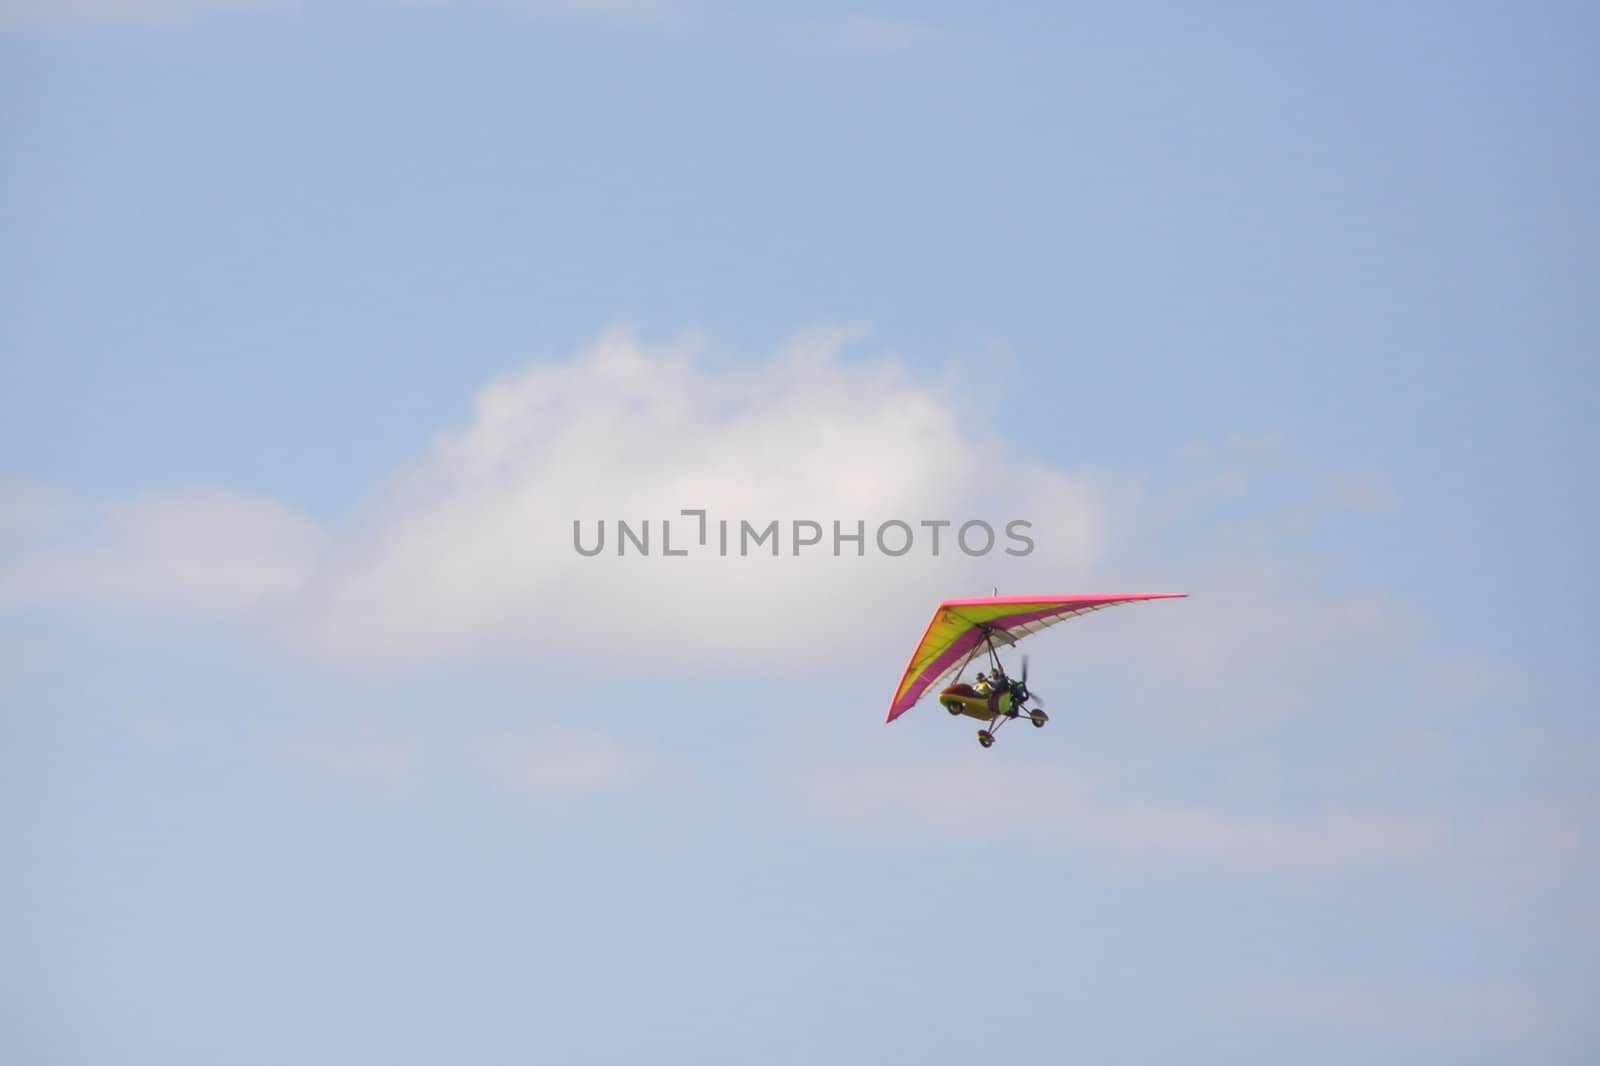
x=979, y=707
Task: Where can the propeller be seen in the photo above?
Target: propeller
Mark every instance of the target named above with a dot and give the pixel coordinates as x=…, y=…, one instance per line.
x=1027, y=693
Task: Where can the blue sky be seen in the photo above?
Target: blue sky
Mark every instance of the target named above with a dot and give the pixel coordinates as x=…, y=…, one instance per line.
x=321, y=324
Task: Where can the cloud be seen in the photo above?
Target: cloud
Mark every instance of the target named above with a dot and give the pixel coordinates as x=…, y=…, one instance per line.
x=861, y=33
x=1265, y=483
x=540, y=761
x=469, y=551
x=883, y=35
x=558, y=760
x=622, y=12
x=473, y=548
x=213, y=552
x=1533, y=861
x=367, y=758
x=125, y=12
x=1082, y=811
x=1524, y=864
x=113, y=13
x=1260, y=640
x=1459, y=680
x=1277, y=623
x=1367, y=493
x=1418, y=757
x=1437, y=1012
x=29, y=511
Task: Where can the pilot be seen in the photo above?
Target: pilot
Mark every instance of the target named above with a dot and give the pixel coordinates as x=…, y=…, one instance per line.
x=982, y=686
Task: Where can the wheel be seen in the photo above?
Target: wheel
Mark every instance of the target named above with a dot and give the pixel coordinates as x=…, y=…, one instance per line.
x=953, y=708
x=985, y=738
x=1039, y=718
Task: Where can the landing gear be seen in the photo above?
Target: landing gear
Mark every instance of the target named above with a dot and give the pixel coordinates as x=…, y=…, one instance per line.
x=1033, y=714
x=1006, y=701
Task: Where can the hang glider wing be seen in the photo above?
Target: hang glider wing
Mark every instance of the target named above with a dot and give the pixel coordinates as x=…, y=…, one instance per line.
x=962, y=628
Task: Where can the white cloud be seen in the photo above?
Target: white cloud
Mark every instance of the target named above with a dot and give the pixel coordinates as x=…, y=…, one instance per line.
x=469, y=551
x=473, y=548
x=1416, y=756
x=881, y=34
x=167, y=12
x=28, y=511
x=1432, y=1011
x=368, y=758
x=1078, y=810
x=558, y=760
x=1259, y=640
x=1266, y=484
x=543, y=760
x=209, y=552
x=1532, y=861
x=860, y=33
x=1275, y=625
x=115, y=12
x=1367, y=493
x=628, y=12
x=1460, y=680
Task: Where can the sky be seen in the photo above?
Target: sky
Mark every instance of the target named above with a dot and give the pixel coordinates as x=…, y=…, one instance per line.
x=322, y=324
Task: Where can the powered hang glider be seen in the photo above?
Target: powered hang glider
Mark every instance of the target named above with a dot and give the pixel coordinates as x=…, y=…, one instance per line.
x=962, y=630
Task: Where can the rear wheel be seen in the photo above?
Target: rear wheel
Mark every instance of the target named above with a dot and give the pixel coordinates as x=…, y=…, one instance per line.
x=1039, y=718
x=985, y=738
